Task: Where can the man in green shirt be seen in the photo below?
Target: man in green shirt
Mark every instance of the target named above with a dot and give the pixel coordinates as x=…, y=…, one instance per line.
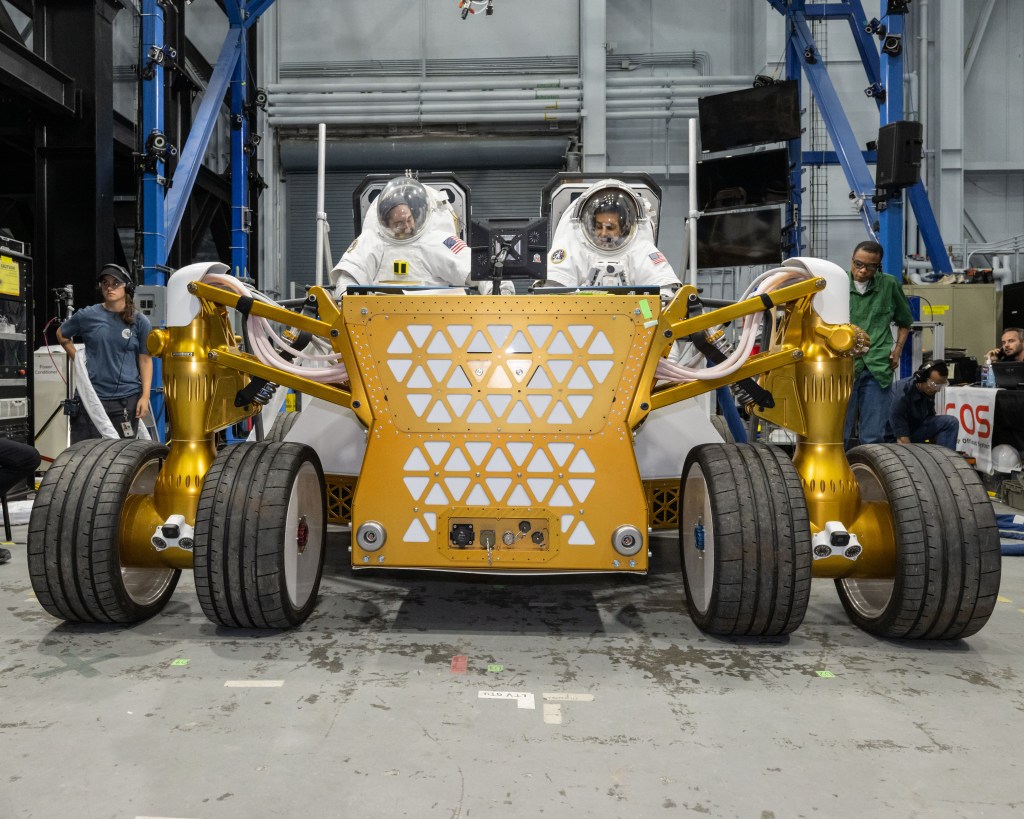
x=876, y=303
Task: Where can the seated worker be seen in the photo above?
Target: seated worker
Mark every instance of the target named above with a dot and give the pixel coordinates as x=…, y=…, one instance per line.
x=1011, y=346
x=409, y=238
x=18, y=462
x=605, y=239
x=912, y=412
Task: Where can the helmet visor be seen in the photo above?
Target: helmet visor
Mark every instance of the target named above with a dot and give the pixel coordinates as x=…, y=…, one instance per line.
x=402, y=209
x=609, y=218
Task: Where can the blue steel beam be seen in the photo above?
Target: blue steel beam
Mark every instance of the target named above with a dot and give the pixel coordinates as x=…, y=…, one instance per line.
x=199, y=135
x=890, y=219
x=239, y=168
x=154, y=235
x=858, y=177
x=865, y=43
x=254, y=9
x=795, y=207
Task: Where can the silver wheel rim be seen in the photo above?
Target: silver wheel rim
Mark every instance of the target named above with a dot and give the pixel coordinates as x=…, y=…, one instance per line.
x=698, y=566
x=869, y=597
x=142, y=585
x=303, y=535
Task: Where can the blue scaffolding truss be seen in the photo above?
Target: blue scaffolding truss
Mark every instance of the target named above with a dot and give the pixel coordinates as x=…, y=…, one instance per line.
x=882, y=214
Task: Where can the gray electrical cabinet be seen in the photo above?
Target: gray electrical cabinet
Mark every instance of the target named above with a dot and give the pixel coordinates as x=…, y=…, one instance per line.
x=970, y=314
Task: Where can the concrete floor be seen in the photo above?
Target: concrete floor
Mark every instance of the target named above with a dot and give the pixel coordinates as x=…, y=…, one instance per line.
x=607, y=702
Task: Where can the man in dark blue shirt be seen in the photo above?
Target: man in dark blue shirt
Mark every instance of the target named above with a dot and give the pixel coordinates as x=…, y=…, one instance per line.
x=912, y=413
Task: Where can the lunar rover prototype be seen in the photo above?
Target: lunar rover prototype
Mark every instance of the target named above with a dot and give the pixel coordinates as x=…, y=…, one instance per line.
x=500, y=435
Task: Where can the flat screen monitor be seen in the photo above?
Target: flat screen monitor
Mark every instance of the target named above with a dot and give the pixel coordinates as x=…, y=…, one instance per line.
x=743, y=181
x=509, y=249
x=740, y=238
x=1009, y=375
x=768, y=113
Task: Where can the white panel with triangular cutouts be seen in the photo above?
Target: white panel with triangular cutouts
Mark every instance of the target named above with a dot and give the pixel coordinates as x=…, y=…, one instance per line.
x=399, y=345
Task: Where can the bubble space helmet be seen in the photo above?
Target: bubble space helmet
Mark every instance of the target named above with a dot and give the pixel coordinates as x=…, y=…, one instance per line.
x=1005, y=458
x=403, y=209
x=609, y=215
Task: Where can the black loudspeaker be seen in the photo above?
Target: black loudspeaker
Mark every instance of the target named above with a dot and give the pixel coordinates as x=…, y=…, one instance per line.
x=1013, y=305
x=900, y=145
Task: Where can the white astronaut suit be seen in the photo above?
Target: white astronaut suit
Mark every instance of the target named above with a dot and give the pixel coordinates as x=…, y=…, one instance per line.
x=579, y=257
x=430, y=254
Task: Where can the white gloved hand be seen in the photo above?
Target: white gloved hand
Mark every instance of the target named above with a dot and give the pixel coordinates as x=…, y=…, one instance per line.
x=506, y=289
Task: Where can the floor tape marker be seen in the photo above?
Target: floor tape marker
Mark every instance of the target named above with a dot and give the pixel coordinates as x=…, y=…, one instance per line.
x=523, y=699
x=253, y=683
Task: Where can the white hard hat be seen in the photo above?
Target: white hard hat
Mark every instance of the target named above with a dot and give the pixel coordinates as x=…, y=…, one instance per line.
x=1005, y=458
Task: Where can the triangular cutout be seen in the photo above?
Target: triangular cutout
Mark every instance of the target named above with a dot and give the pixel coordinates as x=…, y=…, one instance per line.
x=418, y=401
x=560, y=452
x=456, y=486
x=457, y=463
x=458, y=381
x=581, y=487
x=566, y=522
x=519, y=414
x=416, y=462
x=539, y=462
x=458, y=403
x=478, y=451
x=600, y=370
x=581, y=463
x=539, y=333
x=419, y=380
x=439, y=345
x=581, y=536
x=499, y=463
x=559, y=369
x=439, y=368
x=538, y=403
x=479, y=414
x=436, y=450
x=559, y=346
x=540, y=380
x=498, y=487
x=399, y=345
x=559, y=415
x=580, y=403
x=518, y=497
x=479, y=344
x=519, y=344
x=560, y=498
x=580, y=333
x=539, y=487
x=437, y=497
x=416, y=485
x=399, y=367
x=601, y=345
x=416, y=533
x=478, y=497
x=439, y=414
x=459, y=333
x=500, y=334
x=580, y=380
x=518, y=450
x=499, y=403
x=419, y=333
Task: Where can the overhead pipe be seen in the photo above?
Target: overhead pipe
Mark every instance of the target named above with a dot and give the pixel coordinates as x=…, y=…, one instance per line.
x=414, y=119
x=423, y=85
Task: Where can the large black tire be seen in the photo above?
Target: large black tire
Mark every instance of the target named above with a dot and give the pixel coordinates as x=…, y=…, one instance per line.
x=74, y=534
x=753, y=576
x=947, y=545
x=282, y=426
x=261, y=526
x=722, y=428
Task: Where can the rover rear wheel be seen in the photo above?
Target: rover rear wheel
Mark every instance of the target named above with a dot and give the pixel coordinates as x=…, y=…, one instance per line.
x=947, y=545
x=261, y=525
x=74, y=534
x=282, y=426
x=744, y=540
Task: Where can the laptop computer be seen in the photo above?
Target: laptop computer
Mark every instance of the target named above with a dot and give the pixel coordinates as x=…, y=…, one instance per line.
x=1009, y=375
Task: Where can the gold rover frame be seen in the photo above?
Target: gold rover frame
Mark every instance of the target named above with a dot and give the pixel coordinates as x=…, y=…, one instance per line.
x=494, y=413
